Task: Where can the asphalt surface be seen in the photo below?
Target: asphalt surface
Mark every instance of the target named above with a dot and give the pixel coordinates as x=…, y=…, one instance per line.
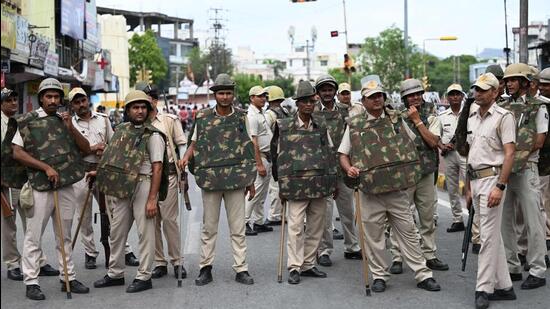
x=343, y=288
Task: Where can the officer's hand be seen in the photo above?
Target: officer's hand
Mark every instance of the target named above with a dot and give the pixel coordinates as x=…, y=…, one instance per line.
x=468, y=195
x=182, y=163
x=261, y=170
x=53, y=176
x=66, y=117
x=413, y=114
x=98, y=149
x=151, y=208
x=90, y=176
x=353, y=172
x=494, y=198
x=251, y=192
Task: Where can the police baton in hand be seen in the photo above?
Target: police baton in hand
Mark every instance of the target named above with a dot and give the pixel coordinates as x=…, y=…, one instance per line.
x=359, y=223
x=282, y=242
x=84, y=207
x=61, y=239
x=467, y=234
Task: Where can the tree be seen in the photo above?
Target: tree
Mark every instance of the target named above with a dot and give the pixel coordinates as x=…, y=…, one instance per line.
x=342, y=77
x=384, y=55
x=244, y=82
x=286, y=83
x=441, y=73
x=144, y=53
x=219, y=59
x=196, y=66
x=277, y=65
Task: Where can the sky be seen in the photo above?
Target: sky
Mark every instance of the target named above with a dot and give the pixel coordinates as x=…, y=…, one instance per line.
x=263, y=24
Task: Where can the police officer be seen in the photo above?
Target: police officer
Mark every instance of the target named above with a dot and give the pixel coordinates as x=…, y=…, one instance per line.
x=167, y=216
x=307, y=176
x=491, y=137
x=224, y=167
x=544, y=159
x=133, y=175
x=523, y=190
x=261, y=138
x=275, y=96
x=427, y=128
x=335, y=114
x=384, y=174
x=53, y=163
x=455, y=164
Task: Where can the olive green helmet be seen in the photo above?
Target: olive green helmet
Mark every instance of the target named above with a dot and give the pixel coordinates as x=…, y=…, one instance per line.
x=137, y=96
x=275, y=93
x=326, y=79
x=518, y=70
x=410, y=86
x=50, y=84
x=496, y=69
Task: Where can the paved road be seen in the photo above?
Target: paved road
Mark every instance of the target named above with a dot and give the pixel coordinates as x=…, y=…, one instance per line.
x=343, y=288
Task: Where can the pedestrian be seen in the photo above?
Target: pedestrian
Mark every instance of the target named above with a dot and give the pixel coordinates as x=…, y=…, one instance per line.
x=491, y=138
x=261, y=138
x=183, y=114
x=384, y=175
x=133, y=175
x=224, y=167
x=523, y=192
x=50, y=146
x=307, y=175
x=335, y=115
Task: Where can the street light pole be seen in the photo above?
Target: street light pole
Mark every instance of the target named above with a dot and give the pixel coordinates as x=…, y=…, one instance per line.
x=442, y=38
x=406, y=38
x=308, y=70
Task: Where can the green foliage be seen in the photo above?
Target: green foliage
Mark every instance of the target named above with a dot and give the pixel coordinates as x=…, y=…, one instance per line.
x=217, y=59
x=278, y=66
x=144, y=52
x=246, y=81
x=441, y=73
x=286, y=83
x=197, y=63
x=342, y=77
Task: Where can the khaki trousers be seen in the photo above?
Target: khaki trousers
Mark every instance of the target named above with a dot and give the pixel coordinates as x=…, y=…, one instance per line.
x=492, y=272
x=234, y=208
x=344, y=204
x=520, y=229
x=455, y=169
x=254, y=209
x=275, y=206
x=167, y=216
x=32, y=244
x=86, y=233
x=376, y=210
x=302, y=245
x=423, y=196
x=122, y=213
x=545, y=200
x=523, y=193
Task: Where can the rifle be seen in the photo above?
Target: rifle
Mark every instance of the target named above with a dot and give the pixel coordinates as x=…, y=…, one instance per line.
x=105, y=226
x=6, y=207
x=467, y=235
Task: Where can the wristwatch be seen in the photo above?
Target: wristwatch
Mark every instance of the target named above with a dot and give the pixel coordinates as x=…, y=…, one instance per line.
x=500, y=186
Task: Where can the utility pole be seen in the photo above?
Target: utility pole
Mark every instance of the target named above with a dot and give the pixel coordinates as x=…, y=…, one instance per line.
x=406, y=40
x=308, y=63
x=346, y=33
x=218, y=40
x=507, y=48
x=523, y=28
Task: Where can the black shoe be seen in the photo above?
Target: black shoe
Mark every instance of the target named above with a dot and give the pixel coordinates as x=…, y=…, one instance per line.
x=89, y=262
x=261, y=228
x=108, y=281
x=15, y=274
x=482, y=300
x=183, y=271
x=396, y=268
x=159, y=272
x=476, y=248
x=336, y=235
x=272, y=223
x=131, y=259
x=436, y=264
x=516, y=277
x=522, y=259
x=48, y=271
x=34, y=292
x=456, y=227
x=378, y=286
x=244, y=278
x=429, y=285
x=356, y=255
x=533, y=282
x=205, y=276
x=249, y=231
x=314, y=272
x=139, y=285
x=503, y=294
x=294, y=277
x=324, y=260
x=76, y=287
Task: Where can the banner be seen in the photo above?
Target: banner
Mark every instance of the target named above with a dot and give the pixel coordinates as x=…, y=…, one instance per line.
x=9, y=34
x=51, y=64
x=72, y=18
x=39, y=50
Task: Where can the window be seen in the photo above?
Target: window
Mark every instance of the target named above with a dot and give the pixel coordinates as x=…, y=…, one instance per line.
x=290, y=62
x=324, y=63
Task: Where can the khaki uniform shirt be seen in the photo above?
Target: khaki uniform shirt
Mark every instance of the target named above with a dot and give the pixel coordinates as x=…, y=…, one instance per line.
x=448, y=120
x=488, y=134
x=171, y=127
x=259, y=127
x=96, y=130
x=155, y=153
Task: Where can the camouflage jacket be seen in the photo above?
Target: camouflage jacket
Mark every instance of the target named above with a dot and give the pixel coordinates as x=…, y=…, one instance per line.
x=305, y=162
x=13, y=173
x=525, y=116
x=118, y=169
x=48, y=140
x=224, y=155
x=429, y=157
x=336, y=125
x=384, y=154
x=544, y=154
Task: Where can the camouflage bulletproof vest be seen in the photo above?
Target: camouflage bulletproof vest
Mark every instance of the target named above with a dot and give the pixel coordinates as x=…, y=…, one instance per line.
x=48, y=140
x=336, y=126
x=118, y=169
x=14, y=175
x=224, y=155
x=544, y=153
x=279, y=111
x=525, y=115
x=427, y=155
x=384, y=154
x=305, y=161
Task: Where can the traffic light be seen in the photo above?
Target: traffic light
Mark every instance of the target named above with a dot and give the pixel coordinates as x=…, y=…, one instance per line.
x=148, y=76
x=139, y=75
x=425, y=82
x=333, y=34
x=348, y=64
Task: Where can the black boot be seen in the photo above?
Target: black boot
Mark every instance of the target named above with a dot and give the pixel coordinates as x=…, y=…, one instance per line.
x=205, y=276
x=244, y=278
x=49, y=271
x=294, y=277
x=15, y=274
x=89, y=262
x=34, y=292
x=396, y=268
x=481, y=300
x=131, y=259
x=139, y=285
x=249, y=231
x=159, y=272
x=76, y=287
x=108, y=281
x=456, y=227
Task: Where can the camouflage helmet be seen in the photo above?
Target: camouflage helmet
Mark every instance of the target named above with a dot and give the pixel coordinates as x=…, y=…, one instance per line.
x=223, y=82
x=50, y=84
x=518, y=70
x=496, y=69
x=409, y=86
x=304, y=90
x=326, y=79
x=544, y=76
x=275, y=93
x=137, y=96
